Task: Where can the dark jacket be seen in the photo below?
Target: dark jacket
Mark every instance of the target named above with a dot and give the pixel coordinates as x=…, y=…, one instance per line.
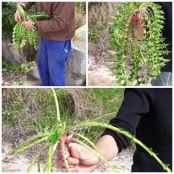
x=146, y=113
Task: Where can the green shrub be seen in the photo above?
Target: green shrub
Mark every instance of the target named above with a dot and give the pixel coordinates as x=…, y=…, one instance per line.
x=8, y=22
x=14, y=68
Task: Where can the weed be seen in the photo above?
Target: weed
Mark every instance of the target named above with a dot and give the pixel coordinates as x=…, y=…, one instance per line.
x=137, y=43
x=60, y=130
x=15, y=68
x=21, y=36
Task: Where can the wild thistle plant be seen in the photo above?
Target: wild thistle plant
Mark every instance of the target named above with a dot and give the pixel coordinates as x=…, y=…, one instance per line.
x=21, y=36
x=137, y=43
x=60, y=131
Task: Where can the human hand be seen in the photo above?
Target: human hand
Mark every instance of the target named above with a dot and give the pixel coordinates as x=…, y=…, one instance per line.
x=18, y=17
x=79, y=159
x=28, y=25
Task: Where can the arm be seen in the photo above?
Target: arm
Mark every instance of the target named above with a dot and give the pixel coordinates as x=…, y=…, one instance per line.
x=107, y=146
x=60, y=11
x=136, y=104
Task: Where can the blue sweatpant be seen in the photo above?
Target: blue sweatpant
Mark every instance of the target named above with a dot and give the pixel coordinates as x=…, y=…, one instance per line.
x=51, y=61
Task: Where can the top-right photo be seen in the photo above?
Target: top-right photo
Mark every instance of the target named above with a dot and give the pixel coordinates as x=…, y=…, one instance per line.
x=130, y=44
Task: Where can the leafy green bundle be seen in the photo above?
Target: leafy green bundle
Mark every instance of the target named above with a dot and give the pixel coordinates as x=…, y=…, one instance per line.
x=137, y=43
x=21, y=36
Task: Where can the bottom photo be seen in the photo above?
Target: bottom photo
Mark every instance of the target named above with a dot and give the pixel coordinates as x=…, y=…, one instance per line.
x=87, y=130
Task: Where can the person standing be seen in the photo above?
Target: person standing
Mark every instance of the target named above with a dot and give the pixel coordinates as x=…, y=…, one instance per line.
x=55, y=34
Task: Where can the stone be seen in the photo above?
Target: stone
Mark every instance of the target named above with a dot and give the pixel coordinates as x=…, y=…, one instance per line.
x=12, y=55
x=33, y=73
x=17, y=56
x=76, y=64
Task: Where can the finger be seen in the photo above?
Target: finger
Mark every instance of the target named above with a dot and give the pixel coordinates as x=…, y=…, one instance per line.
x=70, y=161
x=73, y=161
x=63, y=165
x=16, y=18
x=19, y=18
x=74, y=150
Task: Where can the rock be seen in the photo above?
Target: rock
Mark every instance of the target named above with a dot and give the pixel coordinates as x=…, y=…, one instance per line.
x=33, y=74
x=101, y=76
x=12, y=55
x=76, y=64
x=17, y=56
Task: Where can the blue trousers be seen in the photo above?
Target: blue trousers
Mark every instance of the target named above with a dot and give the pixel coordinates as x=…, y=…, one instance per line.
x=51, y=61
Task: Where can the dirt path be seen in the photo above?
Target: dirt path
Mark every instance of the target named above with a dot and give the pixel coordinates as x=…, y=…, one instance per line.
x=19, y=163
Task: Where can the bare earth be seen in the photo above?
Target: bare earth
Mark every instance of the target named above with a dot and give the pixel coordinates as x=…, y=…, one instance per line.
x=19, y=163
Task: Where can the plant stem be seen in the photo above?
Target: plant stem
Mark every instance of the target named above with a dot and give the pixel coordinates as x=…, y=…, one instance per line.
x=64, y=150
x=143, y=57
x=57, y=104
x=32, y=163
x=128, y=135
x=36, y=139
x=50, y=155
x=38, y=163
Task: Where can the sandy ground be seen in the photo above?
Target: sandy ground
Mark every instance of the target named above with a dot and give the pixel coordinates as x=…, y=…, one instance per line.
x=99, y=73
x=19, y=163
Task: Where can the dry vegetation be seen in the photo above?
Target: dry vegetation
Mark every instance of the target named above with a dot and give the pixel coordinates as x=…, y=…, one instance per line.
x=100, y=16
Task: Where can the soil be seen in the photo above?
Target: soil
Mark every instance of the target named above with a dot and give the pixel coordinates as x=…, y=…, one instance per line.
x=99, y=73
x=16, y=79
x=20, y=163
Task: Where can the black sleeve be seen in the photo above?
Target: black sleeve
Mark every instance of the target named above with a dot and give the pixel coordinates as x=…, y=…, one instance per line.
x=136, y=104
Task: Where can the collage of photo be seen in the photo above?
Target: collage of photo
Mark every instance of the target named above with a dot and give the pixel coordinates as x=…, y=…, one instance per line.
x=86, y=86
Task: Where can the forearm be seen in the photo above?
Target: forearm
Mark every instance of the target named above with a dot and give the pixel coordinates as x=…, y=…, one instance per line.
x=107, y=146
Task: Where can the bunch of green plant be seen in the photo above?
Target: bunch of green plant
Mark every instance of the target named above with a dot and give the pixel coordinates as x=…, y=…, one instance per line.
x=21, y=36
x=81, y=7
x=59, y=132
x=137, y=60
x=15, y=68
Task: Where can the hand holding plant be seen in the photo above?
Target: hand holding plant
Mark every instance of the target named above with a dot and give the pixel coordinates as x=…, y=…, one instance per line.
x=80, y=160
x=28, y=25
x=23, y=31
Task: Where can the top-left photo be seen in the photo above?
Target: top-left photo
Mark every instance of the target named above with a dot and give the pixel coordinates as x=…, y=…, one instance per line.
x=44, y=43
